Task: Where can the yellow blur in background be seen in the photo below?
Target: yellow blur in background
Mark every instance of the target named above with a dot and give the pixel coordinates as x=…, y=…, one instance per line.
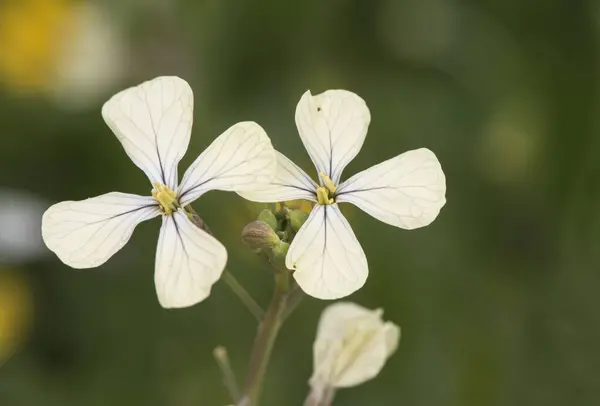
x=16, y=309
x=31, y=35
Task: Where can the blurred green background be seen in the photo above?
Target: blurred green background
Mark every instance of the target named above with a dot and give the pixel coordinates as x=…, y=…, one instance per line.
x=497, y=299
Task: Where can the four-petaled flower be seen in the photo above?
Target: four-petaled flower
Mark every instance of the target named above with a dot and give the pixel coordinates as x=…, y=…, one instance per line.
x=153, y=122
x=352, y=345
x=407, y=191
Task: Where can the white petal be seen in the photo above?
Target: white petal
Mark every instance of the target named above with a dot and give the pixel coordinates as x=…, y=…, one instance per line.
x=239, y=159
x=188, y=262
x=337, y=316
x=351, y=346
x=328, y=260
x=392, y=337
x=333, y=126
x=86, y=233
x=290, y=183
x=354, y=368
x=407, y=191
x=153, y=121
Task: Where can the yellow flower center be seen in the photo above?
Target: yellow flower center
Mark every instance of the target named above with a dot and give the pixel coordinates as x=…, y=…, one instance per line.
x=166, y=198
x=326, y=193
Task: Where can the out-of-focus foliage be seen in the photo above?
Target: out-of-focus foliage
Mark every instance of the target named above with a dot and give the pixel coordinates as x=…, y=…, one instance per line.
x=497, y=299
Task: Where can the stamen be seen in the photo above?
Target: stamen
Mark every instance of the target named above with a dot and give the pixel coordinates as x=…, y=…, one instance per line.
x=323, y=196
x=328, y=183
x=165, y=197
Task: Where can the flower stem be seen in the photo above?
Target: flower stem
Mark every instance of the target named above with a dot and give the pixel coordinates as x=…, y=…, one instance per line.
x=243, y=294
x=222, y=358
x=265, y=339
x=227, y=276
x=320, y=398
x=294, y=298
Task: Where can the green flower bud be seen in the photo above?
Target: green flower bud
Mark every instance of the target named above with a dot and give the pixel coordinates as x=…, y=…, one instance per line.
x=297, y=218
x=268, y=218
x=259, y=234
x=280, y=250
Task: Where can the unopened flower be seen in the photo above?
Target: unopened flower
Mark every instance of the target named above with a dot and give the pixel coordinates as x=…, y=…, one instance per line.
x=268, y=218
x=352, y=345
x=298, y=204
x=153, y=121
x=407, y=191
x=259, y=234
x=297, y=219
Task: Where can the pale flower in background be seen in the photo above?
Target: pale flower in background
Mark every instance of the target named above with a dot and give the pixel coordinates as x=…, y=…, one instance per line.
x=91, y=59
x=406, y=191
x=153, y=121
x=73, y=51
x=20, y=221
x=352, y=345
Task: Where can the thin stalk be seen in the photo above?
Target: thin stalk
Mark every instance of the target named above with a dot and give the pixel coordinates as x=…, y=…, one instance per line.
x=228, y=277
x=243, y=294
x=222, y=358
x=320, y=398
x=265, y=340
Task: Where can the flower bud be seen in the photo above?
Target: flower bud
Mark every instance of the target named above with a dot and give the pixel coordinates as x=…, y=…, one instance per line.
x=303, y=205
x=280, y=250
x=258, y=234
x=297, y=218
x=352, y=346
x=268, y=218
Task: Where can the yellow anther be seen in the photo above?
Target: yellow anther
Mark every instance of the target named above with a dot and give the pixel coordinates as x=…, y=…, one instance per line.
x=165, y=197
x=328, y=183
x=323, y=196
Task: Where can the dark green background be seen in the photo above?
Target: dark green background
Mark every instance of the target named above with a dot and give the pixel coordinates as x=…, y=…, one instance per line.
x=497, y=299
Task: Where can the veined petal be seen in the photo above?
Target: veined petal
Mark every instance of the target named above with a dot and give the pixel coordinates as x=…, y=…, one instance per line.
x=352, y=345
x=188, y=262
x=328, y=260
x=333, y=126
x=357, y=369
x=407, y=191
x=290, y=183
x=239, y=159
x=86, y=233
x=153, y=121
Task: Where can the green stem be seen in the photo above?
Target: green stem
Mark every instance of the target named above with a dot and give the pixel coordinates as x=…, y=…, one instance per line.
x=265, y=339
x=294, y=298
x=228, y=277
x=243, y=294
x=222, y=358
x=324, y=398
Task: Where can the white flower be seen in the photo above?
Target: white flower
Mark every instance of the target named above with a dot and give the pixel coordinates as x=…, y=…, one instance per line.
x=351, y=347
x=153, y=121
x=407, y=191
